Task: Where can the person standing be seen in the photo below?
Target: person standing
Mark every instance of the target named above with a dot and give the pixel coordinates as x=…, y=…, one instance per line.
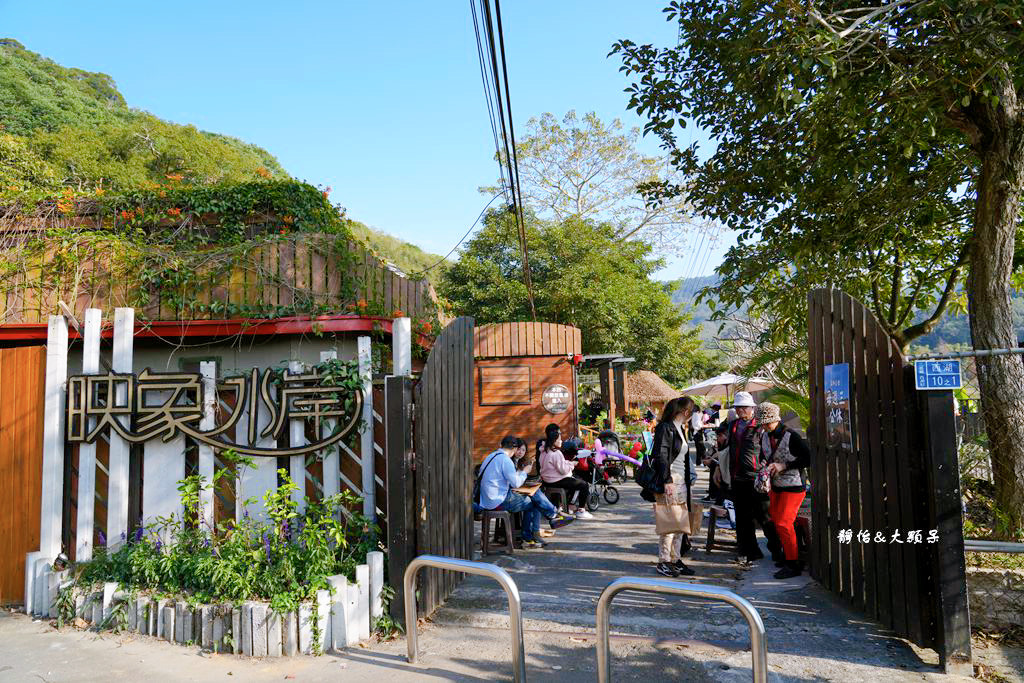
x=669, y=443
x=698, y=422
x=789, y=457
x=751, y=505
x=499, y=476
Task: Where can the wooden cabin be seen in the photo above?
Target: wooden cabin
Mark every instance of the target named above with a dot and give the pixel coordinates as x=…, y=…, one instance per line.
x=525, y=380
x=646, y=389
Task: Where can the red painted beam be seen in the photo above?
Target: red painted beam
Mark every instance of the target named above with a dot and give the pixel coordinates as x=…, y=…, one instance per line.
x=180, y=329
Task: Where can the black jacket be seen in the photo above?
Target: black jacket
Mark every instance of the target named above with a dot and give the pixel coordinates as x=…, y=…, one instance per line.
x=744, y=450
x=665, y=449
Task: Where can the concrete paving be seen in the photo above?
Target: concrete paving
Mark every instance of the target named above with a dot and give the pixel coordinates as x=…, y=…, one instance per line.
x=810, y=635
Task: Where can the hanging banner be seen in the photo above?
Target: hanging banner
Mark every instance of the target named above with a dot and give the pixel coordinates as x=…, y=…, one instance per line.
x=163, y=405
x=837, y=406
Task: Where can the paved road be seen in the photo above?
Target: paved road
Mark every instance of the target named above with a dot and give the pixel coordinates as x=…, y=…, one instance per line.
x=810, y=636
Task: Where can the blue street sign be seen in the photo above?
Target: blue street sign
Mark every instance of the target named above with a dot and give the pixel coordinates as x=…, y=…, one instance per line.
x=937, y=374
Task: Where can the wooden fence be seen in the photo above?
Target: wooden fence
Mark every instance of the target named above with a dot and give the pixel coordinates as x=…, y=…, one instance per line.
x=307, y=273
x=501, y=340
x=886, y=485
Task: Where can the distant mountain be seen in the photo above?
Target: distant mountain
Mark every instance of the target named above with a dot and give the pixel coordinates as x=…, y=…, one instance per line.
x=409, y=258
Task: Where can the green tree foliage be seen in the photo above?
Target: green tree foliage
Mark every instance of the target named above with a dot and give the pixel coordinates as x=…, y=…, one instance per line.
x=879, y=148
x=583, y=276
x=71, y=127
x=586, y=168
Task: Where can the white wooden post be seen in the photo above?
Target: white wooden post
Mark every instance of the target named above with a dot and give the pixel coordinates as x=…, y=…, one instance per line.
x=163, y=466
x=401, y=346
x=363, y=607
x=117, y=496
x=208, y=369
x=366, y=430
x=375, y=559
x=52, y=503
x=332, y=459
x=254, y=481
x=297, y=434
x=84, y=529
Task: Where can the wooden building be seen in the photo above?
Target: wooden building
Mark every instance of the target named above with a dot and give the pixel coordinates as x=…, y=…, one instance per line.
x=525, y=379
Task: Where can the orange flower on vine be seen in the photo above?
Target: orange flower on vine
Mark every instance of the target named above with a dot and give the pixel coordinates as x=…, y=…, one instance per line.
x=361, y=304
x=174, y=212
x=176, y=177
x=397, y=313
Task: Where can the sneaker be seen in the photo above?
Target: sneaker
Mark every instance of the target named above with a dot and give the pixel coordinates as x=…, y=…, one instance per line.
x=682, y=569
x=583, y=514
x=534, y=545
x=666, y=569
x=560, y=520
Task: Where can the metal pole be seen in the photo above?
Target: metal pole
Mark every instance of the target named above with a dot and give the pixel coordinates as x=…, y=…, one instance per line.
x=758, y=650
x=966, y=354
x=515, y=610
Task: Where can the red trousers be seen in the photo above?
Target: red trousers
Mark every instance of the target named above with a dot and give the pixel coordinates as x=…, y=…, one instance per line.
x=784, y=507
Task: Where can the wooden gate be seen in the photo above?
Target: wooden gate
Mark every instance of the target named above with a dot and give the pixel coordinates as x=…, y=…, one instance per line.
x=429, y=466
x=894, y=480
x=21, y=463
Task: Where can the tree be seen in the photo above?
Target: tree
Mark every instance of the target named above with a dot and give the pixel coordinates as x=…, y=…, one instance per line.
x=583, y=275
x=584, y=168
x=880, y=148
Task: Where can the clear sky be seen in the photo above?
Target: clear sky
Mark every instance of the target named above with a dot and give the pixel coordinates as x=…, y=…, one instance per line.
x=380, y=101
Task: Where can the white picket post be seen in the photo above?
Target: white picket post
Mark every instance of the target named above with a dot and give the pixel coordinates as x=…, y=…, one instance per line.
x=363, y=608
x=332, y=458
x=366, y=429
x=117, y=489
x=339, y=629
x=30, y=580
x=208, y=369
x=375, y=559
x=297, y=438
x=84, y=529
x=254, y=481
x=52, y=503
x=401, y=346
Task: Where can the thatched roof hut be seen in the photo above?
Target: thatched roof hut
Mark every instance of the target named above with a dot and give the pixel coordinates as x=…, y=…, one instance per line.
x=647, y=389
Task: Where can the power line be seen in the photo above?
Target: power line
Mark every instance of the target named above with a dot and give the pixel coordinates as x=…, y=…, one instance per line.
x=457, y=244
x=503, y=130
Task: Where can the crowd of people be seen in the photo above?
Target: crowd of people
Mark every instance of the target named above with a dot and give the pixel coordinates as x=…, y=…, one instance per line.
x=760, y=466
x=756, y=462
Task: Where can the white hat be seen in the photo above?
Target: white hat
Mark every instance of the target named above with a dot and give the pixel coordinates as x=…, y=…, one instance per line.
x=743, y=400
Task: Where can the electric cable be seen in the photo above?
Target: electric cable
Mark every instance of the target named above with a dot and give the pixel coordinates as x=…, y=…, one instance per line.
x=457, y=244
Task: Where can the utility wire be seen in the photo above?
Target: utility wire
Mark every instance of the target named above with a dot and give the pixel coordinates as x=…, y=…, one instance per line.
x=459, y=243
x=488, y=97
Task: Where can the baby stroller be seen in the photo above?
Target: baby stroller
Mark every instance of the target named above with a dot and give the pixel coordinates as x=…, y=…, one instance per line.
x=614, y=469
x=600, y=486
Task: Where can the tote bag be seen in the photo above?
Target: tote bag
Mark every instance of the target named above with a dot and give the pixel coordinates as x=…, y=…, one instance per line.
x=671, y=518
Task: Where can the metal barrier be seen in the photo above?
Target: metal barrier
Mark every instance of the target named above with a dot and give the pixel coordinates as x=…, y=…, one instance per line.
x=758, y=650
x=515, y=610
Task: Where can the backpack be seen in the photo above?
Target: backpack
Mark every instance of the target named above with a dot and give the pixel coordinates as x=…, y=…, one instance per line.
x=479, y=478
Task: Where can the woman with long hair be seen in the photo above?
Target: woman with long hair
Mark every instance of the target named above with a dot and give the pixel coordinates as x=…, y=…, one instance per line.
x=556, y=471
x=669, y=443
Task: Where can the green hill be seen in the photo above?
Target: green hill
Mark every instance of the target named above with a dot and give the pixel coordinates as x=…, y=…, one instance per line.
x=65, y=127
x=409, y=258
x=62, y=127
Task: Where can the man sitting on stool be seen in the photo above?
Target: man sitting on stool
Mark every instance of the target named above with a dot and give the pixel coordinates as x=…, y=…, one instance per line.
x=498, y=478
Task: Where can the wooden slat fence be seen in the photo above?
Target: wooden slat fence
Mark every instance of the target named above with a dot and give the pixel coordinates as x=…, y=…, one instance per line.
x=443, y=460
x=309, y=273
x=503, y=340
x=877, y=487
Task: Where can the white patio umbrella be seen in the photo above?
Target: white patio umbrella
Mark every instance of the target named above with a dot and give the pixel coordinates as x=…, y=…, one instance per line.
x=726, y=384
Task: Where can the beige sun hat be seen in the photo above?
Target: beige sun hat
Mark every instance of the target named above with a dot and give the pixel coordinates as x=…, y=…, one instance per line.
x=768, y=413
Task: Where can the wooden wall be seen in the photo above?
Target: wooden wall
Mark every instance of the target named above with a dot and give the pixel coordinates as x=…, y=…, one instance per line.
x=304, y=272
x=21, y=463
x=503, y=340
x=493, y=422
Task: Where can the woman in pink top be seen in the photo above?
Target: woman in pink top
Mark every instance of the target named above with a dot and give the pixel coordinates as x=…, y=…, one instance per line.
x=556, y=471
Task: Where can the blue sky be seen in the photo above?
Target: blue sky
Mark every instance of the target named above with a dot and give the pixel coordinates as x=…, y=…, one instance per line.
x=380, y=101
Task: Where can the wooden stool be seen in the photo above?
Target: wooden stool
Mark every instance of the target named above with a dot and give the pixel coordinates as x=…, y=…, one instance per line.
x=559, y=494
x=714, y=513
x=500, y=517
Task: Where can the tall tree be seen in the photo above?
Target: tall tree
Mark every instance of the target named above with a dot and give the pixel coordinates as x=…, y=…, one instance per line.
x=588, y=169
x=583, y=275
x=879, y=139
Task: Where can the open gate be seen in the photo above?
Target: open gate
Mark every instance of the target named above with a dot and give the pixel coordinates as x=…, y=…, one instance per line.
x=890, y=475
x=430, y=466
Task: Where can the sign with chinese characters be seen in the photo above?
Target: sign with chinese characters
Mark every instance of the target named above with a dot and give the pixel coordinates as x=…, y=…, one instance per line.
x=154, y=405
x=937, y=374
x=837, y=406
x=556, y=398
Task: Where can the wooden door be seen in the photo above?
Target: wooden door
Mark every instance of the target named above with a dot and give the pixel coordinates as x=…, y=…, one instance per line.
x=21, y=463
